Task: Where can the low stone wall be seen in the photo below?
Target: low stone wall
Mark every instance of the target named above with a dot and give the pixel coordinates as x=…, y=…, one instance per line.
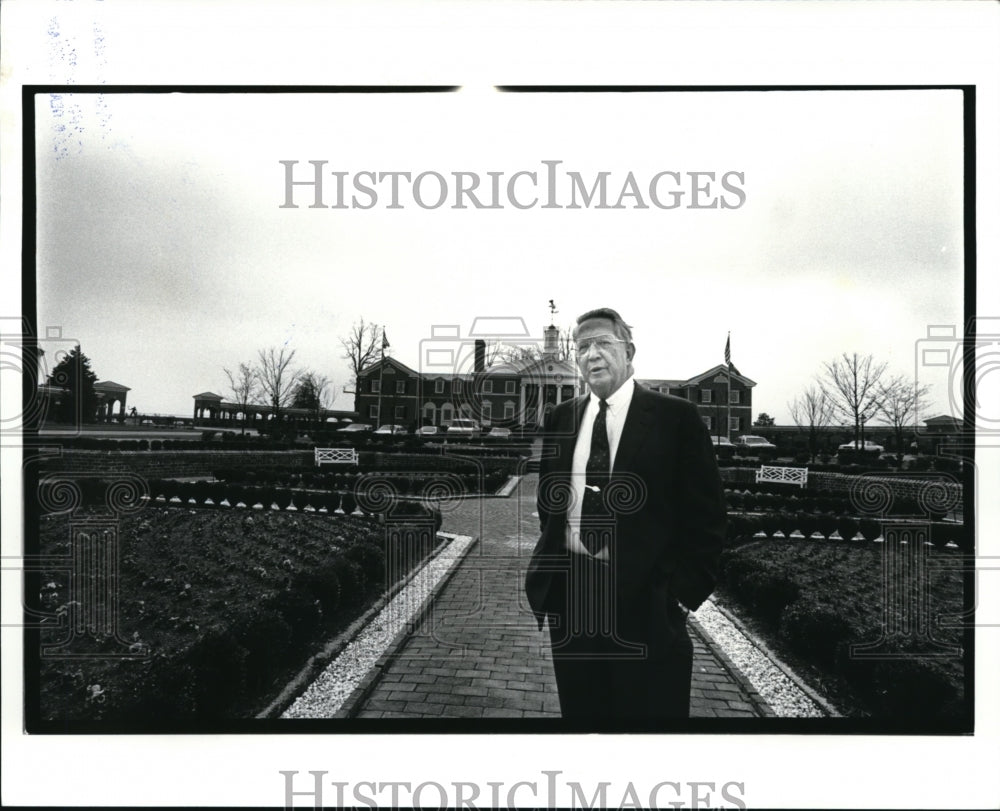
x=168, y=464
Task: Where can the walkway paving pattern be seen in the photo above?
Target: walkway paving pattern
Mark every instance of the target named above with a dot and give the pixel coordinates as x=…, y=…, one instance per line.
x=478, y=652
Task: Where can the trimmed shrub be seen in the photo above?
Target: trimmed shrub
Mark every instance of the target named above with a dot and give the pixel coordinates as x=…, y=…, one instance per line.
x=301, y=609
x=814, y=631
x=266, y=637
x=808, y=524
x=348, y=503
x=352, y=580
x=218, y=663
x=371, y=559
x=283, y=498
x=827, y=525
x=199, y=491
x=769, y=593
x=324, y=582
x=847, y=527
x=870, y=528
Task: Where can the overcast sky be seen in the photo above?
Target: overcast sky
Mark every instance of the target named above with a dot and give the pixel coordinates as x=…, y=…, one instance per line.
x=164, y=251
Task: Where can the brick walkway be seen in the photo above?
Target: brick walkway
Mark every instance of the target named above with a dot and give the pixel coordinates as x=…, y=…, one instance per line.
x=479, y=654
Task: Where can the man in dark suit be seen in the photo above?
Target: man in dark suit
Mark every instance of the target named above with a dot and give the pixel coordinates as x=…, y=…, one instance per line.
x=633, y=519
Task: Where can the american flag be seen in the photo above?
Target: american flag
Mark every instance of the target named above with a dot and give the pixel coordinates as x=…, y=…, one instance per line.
x=385, y=342
x=728, y=356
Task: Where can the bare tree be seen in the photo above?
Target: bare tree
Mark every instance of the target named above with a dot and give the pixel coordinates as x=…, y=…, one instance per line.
x=517, y=353
x=276, y=377
x=852, y=384
x=526, y=353
x=810, y=411
x=900, y=401
x=566, y=345
x=243, y=384
x=362, y=346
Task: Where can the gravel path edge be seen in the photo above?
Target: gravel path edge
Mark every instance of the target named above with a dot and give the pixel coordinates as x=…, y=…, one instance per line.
x=352, y=705
x=737, y=675
x=799, y=682
x=332, y=649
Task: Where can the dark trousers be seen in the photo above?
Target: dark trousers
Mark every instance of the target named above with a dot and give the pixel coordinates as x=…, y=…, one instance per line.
x=613, y=660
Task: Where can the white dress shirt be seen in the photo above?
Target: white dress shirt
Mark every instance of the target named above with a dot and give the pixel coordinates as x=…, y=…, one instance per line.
x=618, y=404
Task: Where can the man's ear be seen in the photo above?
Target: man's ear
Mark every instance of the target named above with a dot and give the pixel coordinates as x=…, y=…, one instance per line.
x=630, y=351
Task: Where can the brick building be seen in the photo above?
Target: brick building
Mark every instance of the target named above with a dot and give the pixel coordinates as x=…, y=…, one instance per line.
x=514, y=394
x=719, y=396
x=507, y=394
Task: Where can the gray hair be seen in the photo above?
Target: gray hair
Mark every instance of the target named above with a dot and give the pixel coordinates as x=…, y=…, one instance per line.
x=621, y=329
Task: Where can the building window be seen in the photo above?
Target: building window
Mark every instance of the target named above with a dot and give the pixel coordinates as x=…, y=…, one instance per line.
x=508, y=411
x=373, y=412
x=706, y=395
x=708, y=422
x=401, y=412
x=376, y=386
x=734, y=397
x=509, y=387
x=734, y=423
x=400, y=387
x=456, y=386
x=487, y=387
x=487, y=412
x=439, y=387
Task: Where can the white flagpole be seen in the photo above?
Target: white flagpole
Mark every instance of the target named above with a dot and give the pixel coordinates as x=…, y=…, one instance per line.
x=729, y=390
x=381, y=369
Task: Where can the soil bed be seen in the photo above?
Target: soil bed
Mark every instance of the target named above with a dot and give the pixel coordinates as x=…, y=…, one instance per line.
x=216, y=608
x=813, y=600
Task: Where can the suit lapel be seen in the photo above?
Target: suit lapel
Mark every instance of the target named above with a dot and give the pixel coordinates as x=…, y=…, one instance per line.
x=568, y=432
x=637, y=424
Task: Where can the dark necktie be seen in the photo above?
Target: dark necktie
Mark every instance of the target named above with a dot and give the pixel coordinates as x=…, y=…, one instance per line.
x=593, y=515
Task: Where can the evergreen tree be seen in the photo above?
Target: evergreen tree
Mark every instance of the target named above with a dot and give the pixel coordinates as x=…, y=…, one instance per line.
x=73, y=374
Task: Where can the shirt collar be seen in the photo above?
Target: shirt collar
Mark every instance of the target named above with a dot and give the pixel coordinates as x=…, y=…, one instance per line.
x=619, y=400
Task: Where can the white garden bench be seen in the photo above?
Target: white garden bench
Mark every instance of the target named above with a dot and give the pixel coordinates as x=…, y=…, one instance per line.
x=336, y=456
x=783, y=475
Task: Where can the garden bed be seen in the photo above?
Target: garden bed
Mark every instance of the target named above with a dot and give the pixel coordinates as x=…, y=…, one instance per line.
x=815, y=599
x=216, y=609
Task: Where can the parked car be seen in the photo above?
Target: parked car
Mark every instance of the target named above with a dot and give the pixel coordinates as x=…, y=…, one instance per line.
x=463, y=427
x=354, y=428
x=867, y=447
x=750, y=445
x=724, y=449
x=390, y=429
x=427, y=430
x=497, y=432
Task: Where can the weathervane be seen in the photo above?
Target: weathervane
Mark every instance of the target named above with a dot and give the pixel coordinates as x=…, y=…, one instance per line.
x=553, y=310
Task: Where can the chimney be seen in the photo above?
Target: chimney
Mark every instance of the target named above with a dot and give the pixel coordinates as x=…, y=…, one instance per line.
x=551, y=347
x=480, y=356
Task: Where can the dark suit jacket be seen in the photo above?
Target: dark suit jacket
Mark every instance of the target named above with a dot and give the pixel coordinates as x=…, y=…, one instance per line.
x=670, y=531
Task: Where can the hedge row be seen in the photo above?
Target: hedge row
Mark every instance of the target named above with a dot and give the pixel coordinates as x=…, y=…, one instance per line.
x=743, y=528
x=282, y=498
x=92, y=444
x=402, y=483
x=944, y=464
x=824, y=503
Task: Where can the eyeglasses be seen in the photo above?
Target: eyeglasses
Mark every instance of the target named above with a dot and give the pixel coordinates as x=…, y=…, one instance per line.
x=603, y=343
